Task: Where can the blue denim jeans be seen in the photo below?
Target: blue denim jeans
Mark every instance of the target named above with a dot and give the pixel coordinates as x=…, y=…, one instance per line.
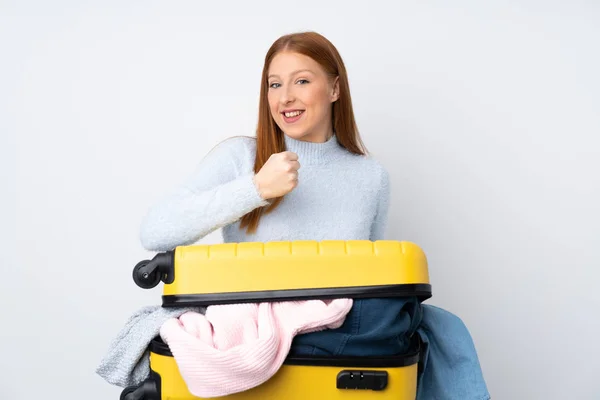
x=449, y=369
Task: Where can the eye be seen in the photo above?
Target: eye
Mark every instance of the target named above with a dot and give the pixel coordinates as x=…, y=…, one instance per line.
x=302, y=80
x=273, y=85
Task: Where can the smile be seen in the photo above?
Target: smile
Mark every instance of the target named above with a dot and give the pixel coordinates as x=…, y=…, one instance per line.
x=292, y=116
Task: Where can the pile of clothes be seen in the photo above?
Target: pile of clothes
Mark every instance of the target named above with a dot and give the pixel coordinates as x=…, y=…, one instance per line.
x=225, y=349
x=222, y=349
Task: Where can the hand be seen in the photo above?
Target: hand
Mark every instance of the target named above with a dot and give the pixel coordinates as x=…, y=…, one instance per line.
x=278, y=176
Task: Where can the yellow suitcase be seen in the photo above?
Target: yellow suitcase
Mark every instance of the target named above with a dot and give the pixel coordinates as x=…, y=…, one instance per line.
x=202, y=275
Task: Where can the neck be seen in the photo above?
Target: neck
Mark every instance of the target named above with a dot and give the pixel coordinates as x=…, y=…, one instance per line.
x=314, y=152
x=318, y=138
x=320, y=134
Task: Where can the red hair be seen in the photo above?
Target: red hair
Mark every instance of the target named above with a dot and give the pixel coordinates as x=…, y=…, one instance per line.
x=269, y=138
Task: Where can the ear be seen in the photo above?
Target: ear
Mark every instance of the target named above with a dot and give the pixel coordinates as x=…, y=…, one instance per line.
x=335, y=92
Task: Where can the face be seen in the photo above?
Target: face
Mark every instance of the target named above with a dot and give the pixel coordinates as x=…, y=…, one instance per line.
x=300, y=97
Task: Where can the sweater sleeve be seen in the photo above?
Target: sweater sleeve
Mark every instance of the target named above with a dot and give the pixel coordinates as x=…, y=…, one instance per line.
x=378, y=228
x=219, y=192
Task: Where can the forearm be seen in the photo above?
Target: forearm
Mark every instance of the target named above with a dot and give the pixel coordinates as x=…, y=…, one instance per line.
x=187, y=216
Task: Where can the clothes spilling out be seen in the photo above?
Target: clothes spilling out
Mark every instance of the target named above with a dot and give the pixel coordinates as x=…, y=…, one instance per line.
x=225, y=349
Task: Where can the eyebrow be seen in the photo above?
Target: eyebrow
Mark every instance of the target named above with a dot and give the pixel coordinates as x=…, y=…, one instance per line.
x=293, y=73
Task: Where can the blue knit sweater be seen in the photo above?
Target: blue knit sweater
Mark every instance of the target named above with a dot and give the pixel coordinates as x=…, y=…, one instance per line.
x=340, y=196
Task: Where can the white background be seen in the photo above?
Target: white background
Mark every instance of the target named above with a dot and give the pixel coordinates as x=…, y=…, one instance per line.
x=487, y=115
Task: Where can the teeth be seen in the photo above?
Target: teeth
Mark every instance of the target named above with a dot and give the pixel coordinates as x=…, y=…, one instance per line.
x=293, y=114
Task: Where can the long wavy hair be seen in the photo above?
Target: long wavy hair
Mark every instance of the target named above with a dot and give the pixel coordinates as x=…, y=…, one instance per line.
x=269, y=137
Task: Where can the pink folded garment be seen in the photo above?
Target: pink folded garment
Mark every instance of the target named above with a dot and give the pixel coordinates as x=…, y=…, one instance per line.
x=236, y=347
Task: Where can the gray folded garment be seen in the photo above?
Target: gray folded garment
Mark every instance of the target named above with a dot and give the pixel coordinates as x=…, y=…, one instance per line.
x=127, y=362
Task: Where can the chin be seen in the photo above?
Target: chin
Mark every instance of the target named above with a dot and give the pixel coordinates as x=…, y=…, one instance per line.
x=295, y=134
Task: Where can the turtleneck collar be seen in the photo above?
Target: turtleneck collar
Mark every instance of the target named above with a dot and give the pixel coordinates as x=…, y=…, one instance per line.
x=314, y=153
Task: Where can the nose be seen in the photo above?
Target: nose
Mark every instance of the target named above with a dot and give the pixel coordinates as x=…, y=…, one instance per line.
x=287, y=95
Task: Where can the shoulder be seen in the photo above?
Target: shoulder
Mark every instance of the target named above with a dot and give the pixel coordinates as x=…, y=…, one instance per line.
x=237, y=149
x=236, y=144
x=380, y=179
x=372, y=167
x=377, y=167
x=380, y=173
x=372, y=174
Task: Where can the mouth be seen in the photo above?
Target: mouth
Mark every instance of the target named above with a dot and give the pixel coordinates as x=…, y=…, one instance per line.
x=291, y=116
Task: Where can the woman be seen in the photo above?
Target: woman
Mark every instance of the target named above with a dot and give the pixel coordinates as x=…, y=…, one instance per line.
x=297, y=179
x=306, y=176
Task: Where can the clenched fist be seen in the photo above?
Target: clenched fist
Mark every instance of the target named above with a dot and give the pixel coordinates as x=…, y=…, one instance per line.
x=278, y=176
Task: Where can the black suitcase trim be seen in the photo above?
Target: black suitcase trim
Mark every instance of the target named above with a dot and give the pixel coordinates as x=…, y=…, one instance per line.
x=158, y=346
x=420, y=290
